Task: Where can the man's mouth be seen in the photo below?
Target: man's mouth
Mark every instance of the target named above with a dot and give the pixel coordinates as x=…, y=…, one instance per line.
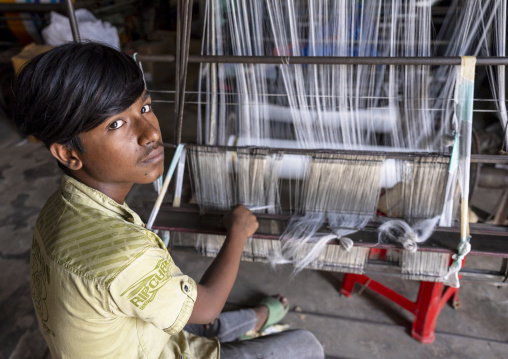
x=154, y=155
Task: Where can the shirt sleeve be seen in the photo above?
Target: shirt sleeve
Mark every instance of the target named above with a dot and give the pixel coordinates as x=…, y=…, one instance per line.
x=154, y=289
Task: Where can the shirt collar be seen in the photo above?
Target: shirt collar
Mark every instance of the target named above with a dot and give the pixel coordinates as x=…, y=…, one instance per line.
x=78, y=191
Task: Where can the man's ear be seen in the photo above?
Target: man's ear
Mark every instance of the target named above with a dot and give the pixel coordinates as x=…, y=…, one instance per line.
x=66, y=156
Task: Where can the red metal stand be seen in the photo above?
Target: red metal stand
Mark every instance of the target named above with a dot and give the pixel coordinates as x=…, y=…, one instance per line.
x=431, y=299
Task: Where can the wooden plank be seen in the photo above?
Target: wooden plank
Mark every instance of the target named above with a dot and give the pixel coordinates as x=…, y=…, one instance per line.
x=486, y=240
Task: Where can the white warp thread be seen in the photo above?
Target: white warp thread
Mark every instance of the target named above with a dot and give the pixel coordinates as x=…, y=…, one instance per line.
x=304, y=230
x=346, y=243
x=399, y=231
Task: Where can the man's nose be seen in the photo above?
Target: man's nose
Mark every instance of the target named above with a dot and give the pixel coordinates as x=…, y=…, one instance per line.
x=147, y=132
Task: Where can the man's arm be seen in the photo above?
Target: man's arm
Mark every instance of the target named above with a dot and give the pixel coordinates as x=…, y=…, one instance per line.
x=218, y=280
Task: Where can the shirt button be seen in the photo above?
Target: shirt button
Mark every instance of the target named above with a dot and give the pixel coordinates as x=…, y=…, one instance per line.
x=186, y=288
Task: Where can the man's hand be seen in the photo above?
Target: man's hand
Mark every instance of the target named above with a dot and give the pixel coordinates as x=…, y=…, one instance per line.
x=216, y=284
x=240, y=222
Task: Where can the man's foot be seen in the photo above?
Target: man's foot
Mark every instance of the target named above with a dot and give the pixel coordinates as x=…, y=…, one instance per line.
x=262, y=311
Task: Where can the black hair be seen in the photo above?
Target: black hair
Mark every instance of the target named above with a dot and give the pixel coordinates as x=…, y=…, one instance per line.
x=73, y=88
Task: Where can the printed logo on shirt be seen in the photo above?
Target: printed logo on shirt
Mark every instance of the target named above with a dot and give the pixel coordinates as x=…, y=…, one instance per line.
x=144, y=290
x=185, y=356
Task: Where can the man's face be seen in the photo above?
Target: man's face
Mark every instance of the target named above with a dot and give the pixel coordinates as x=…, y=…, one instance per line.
x=125, y=149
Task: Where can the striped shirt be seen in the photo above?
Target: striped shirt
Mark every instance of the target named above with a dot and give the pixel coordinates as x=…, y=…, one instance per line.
x=105, y=287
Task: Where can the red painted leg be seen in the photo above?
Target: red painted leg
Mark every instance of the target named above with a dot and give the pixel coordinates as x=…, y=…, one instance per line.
x=348, y=283
x=432, y=297
x=427, y=311
x=431, y=300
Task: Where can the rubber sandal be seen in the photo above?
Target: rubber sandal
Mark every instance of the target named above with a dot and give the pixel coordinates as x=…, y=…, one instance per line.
x=276, y=311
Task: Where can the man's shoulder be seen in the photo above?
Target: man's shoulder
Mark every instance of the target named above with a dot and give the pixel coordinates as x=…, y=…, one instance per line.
x=88, y=241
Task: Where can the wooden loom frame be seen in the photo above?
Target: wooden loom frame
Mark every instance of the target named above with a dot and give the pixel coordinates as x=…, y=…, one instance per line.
x=432, y=296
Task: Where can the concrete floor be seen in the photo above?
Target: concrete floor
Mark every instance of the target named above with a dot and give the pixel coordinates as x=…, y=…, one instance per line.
x=363, y=326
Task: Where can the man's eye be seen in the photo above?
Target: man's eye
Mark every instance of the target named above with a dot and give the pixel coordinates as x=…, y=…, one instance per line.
x=116, y=124
x=146, y=108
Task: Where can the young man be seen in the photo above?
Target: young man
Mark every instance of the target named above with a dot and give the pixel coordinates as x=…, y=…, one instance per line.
x=102, y=285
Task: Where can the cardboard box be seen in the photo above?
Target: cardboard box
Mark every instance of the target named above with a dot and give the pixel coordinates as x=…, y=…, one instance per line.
x=28, y=53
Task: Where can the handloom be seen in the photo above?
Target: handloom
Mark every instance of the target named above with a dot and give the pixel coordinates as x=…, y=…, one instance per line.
x=264, y=110
x=298, y=94
x=376, y=108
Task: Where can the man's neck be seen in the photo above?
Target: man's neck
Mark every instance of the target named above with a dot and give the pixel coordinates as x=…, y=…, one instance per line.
x=116, y=191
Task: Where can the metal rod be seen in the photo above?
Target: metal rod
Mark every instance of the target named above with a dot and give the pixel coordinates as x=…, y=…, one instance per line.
x=182, y=60
x=310, y=152
x=213, y=83
x=494, y=159
x=156, y=58
x=176, y=58
x=319, y=60
x=72, y=20
x=499, y=159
